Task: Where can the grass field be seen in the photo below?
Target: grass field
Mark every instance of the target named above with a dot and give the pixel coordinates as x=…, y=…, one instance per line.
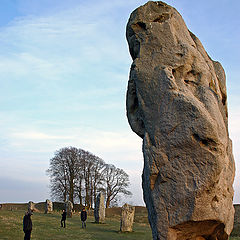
x=47, y=227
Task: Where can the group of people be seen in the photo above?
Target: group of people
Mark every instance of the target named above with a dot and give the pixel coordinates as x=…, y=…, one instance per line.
x=27, y=222
x=83, y=218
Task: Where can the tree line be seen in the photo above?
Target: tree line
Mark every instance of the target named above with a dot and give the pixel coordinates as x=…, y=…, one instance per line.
x=78, y=175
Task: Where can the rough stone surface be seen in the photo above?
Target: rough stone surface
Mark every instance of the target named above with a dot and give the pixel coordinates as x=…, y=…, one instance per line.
x=31, y=206
x=99, y=210
x=177, y=102
x=68, y=208
x=48, y=206
x=127, y=217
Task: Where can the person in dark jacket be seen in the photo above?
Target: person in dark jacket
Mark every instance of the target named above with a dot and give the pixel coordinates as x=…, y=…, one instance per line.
x=83, y=217
x=64, y=215
x=27, y=225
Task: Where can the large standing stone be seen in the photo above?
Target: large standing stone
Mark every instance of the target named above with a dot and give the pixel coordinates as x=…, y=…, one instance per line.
x=31, y=206
x=99, y=210
x=68, y=206
x=48, y=206
x=127, y=217
x=177, y=102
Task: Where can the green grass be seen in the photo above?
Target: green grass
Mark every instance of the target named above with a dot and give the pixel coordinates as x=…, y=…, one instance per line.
x=47, y=227
x=236, y=232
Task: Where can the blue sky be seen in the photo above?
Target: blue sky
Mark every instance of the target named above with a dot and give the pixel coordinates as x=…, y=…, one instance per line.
x=64, y=69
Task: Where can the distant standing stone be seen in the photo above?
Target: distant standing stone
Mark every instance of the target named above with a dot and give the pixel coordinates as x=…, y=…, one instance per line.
x=127, y=218
x=30, y=206
x=48, y=206
x=68, y=208
x=99, y=210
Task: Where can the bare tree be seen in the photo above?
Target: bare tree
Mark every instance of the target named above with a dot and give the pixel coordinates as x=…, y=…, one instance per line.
x=71, y=156
x=62, y=172
x=97, y=178
x=91, y=167
x=76, y=174
x=116, y=183
x=58, y=178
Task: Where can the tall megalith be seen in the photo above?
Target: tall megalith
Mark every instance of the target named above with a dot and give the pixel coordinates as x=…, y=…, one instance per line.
x=99, y=209
x=127, y=217
x=68, y=206
x=177, y=102
x=48, y=206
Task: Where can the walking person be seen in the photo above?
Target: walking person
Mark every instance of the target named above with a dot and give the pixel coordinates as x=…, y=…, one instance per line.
x=84, y=217
x=27, y=225
x=64, y=215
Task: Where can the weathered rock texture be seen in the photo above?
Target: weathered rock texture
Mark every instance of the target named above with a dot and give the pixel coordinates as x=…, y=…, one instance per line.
x=99, y=210
x=127, y=217
x=68, y=208
x=48, y=206
x=177, y=102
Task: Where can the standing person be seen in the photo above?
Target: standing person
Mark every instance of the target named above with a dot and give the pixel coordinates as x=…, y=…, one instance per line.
x=64, y=215
x=83, y=217
x=27, y=225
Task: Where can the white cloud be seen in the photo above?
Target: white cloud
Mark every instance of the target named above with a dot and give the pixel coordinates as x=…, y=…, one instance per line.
x=92, y=139
x=63, y=48
x=33, y=135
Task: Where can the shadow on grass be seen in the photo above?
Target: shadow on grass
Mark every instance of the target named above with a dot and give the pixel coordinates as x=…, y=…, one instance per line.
x=102, y=229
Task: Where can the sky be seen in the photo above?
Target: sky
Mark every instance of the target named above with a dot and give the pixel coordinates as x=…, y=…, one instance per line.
x=64, y=69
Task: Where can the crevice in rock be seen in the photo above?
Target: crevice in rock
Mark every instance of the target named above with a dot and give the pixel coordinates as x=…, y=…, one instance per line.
x=133, y=112
x=173, y=129
x=207, y=142
x=215, y=199
x=142, y=25
x=161, y=4
x=189, y=81
x=162, y=18
x=179, y=54
x=200, y=230
x=192, y=77
x=178, y=72
x=193, y=72
x=224, y=99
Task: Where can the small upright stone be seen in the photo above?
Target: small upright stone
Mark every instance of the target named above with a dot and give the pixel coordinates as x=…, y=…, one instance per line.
x=68, y=208
x=31, y=206
x=48, y=206
x=127, y=218
x=99, y=210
